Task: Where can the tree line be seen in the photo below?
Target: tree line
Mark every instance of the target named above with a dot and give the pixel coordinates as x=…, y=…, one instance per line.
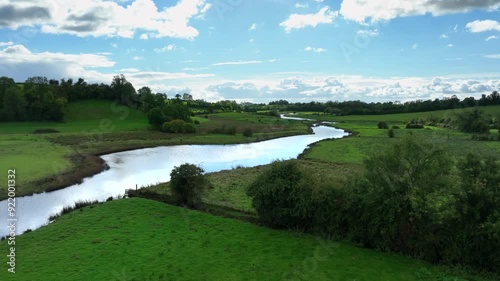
x=39, y=98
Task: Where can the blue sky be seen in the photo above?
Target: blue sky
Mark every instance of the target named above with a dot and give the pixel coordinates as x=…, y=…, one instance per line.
x=261, y=50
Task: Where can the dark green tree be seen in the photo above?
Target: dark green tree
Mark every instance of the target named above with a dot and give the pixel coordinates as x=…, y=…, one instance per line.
x=187, y=183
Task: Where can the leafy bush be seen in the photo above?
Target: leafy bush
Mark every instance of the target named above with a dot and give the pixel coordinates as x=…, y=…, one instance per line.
x=472, y=122
x=281, y=194
x=382, y=125
x=395, y=127
x=187, y=184
x=178, y=126
x=390, y=133
x=414, y=126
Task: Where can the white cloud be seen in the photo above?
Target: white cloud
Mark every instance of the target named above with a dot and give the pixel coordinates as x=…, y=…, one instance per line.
x=20, y=63
x=449, y=46
x=252, y=27
x=298, y=21
x=380, y=10
x=300, y=5
x=129, y=70
x=168, y=48
x=272, y=60
x=496, y=56
x=368, y=33
x=107, y=18
x=312, y=87
x=483, y=25
x=3, y=44
x=237, y=62
x=444, y=36
x=415, y=46
x=491, y=38
x=251, y=40
x=136, y=58
x=144, y=36
x=314, y=49
x=114, y=45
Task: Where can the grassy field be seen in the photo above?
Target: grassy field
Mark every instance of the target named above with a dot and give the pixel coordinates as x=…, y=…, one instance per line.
x=137, y=239
x=399, y=118
x=368, y=137
x=95, y=127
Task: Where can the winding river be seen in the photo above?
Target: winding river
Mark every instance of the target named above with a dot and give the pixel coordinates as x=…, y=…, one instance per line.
x=153, y=165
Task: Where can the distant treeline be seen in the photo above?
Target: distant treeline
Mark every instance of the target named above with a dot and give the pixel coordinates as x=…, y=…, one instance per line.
x=362, y=108
x=39, y=98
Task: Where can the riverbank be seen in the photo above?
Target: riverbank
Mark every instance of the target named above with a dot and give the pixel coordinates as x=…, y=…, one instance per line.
x=41, y=169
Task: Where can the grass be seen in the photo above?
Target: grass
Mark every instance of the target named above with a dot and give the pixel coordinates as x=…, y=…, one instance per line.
x=138, y=239
x=398, y=118
x=33, y=157
x=87, y=116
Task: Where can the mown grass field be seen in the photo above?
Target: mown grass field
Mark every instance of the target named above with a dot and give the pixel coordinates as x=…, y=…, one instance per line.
x=138, y=239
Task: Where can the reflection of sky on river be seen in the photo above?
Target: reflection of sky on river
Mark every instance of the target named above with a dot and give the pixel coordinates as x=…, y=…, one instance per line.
x=153, y=165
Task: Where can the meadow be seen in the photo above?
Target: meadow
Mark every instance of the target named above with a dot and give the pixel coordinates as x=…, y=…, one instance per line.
x=138, y=239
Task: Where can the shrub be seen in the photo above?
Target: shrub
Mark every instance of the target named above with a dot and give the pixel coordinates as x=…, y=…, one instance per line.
x=390, y=133
x=196, y=122
x=414, y=126
x=178, y=126
x=281, y=196
x=395, y=127
x=247, y=133
x=187, y=184
x=382, y=125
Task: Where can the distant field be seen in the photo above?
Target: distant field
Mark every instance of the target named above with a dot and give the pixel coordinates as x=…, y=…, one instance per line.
x=401, y=117
x=369, y=138
x=86, y=116
x=137, y=239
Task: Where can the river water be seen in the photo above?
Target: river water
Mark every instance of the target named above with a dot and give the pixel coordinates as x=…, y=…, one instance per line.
x=153, y=165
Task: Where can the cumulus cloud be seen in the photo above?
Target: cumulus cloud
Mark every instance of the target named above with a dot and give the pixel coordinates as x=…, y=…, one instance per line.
x=491, y=38
x=252, y=27
x=168, y=48
x=237, y=62
x=483, y=25
x=104, y=17
x=380, y=10
x=314, y=49
x=301, y=88
x=298, y=21
x=20, y=63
